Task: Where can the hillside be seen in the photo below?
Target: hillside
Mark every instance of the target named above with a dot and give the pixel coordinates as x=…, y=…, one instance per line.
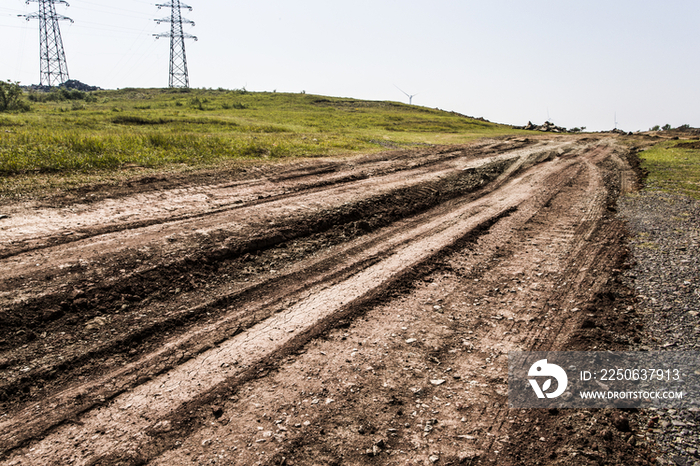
x=157, y=127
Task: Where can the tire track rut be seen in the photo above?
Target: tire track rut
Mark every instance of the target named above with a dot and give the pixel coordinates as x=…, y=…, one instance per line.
x=281, y=309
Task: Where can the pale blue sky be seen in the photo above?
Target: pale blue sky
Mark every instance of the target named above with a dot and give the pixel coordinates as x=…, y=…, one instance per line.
x=508, y=61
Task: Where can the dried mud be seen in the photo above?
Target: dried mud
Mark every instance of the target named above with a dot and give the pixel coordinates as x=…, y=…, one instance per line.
x=332, y=312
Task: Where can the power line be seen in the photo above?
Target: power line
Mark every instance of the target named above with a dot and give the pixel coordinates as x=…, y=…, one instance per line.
x=178, y=60
x=113, y=7
x=121, y=67
x=102, y=27
x=128, y=14
x=10, y=9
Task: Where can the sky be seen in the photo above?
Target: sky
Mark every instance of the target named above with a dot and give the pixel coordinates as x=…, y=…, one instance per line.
x=587, y=63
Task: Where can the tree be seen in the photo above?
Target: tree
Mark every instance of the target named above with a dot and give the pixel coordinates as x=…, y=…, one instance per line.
x=11, y=97
x=655, y=128
x=666, y=127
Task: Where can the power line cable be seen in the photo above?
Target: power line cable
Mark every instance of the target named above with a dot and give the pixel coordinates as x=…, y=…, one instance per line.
x=20, y=50
x=101, y=26
x=137, y=39
x=112, y=13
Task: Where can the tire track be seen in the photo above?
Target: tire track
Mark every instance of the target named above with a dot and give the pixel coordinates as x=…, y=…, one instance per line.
x=541, y=312
x=41, y=228
x=48, y=294
x=179, y=385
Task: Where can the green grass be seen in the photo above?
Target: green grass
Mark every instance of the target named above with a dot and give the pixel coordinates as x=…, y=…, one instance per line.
x=673, y=168
x=163, y=129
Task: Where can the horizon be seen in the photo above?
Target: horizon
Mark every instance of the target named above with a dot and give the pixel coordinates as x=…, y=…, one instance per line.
x=575, y=65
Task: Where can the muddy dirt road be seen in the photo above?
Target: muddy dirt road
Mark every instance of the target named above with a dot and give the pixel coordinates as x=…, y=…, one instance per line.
x=338, y=312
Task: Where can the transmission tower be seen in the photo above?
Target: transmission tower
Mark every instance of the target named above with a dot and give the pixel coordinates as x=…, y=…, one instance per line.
x=178, y=60
x=54, y=70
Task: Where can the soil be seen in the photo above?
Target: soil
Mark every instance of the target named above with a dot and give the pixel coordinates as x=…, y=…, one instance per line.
x=354, y=311
x=692, y=144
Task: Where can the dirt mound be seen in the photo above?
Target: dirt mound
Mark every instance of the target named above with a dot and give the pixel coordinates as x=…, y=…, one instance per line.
x=547, y=127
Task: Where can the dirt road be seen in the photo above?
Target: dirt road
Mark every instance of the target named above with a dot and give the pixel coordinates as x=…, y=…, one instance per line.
x=333, y=312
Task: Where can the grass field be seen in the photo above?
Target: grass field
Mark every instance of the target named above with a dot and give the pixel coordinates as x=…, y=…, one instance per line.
x=189, y=128
x=673, y=166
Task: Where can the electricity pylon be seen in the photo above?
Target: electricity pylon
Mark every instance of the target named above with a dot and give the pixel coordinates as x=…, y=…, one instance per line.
x=54, y=70
x=178, y=60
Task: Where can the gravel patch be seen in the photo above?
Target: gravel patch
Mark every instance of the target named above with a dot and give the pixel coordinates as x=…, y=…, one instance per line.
x=665, y=276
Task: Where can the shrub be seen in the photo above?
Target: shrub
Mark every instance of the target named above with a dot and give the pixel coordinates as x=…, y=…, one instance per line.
x=11, y=97
x=61, y=94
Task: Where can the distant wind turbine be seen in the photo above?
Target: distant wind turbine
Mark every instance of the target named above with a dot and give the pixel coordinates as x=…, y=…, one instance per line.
x=410, y=97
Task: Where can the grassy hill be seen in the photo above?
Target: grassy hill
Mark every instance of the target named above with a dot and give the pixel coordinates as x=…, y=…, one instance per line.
x=152, y=127
x=72, y=133
x=673, y=166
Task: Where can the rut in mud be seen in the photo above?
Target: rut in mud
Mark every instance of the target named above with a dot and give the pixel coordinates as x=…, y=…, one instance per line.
x=335, y=312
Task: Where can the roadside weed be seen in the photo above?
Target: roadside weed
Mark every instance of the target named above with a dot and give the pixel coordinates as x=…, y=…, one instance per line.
x=673, y=166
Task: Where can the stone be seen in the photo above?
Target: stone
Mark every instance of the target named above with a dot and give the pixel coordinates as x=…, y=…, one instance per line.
x=621, y=423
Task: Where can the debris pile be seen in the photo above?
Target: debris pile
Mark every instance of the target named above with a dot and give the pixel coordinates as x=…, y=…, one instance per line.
x=75, y=84
x=547, y=127
x=71, y=84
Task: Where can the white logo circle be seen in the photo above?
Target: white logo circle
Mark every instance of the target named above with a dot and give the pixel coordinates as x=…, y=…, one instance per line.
x=543, y=369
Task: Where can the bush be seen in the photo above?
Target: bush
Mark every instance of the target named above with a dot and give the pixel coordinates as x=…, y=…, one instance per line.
x=61, y=94
x=11, y=97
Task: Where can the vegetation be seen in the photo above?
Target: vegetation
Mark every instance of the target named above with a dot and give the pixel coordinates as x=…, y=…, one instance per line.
x=668, y=127
x=11, y=98
x=71, y=131
x=60, y=94
x=674, y=166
